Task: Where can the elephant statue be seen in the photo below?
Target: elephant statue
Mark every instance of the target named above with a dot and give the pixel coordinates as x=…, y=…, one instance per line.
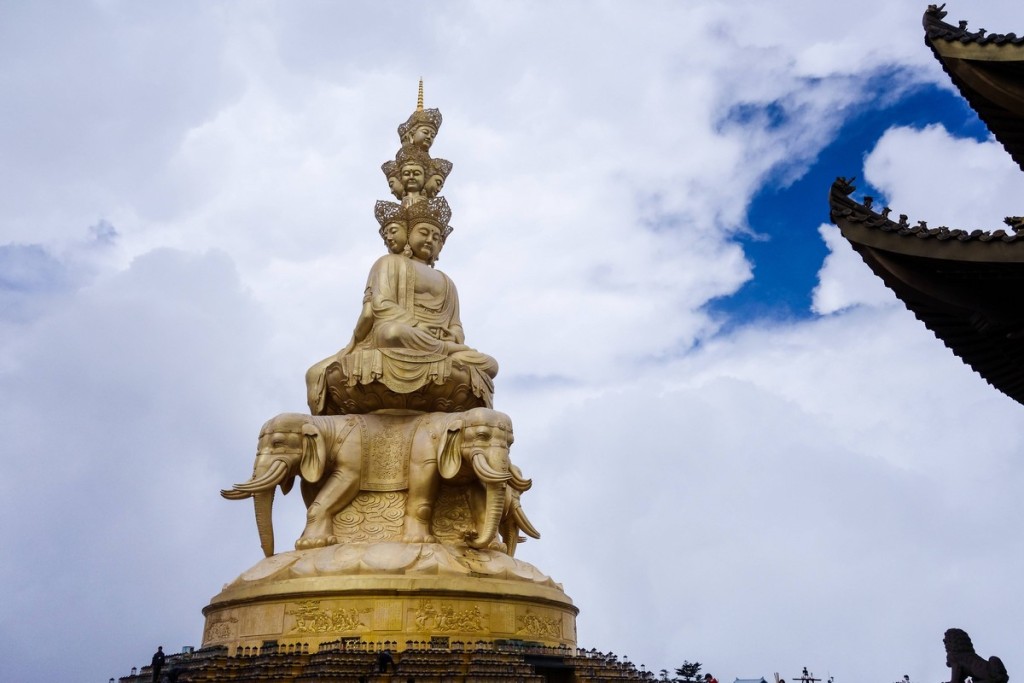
x=338, y=456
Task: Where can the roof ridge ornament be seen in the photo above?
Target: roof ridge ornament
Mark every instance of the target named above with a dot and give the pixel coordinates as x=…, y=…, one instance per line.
x=845, y=207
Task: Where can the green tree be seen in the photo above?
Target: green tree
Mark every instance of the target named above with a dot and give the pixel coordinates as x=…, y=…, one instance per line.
x=689, y=671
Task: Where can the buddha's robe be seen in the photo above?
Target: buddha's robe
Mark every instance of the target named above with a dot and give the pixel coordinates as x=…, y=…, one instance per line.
x=416, y=338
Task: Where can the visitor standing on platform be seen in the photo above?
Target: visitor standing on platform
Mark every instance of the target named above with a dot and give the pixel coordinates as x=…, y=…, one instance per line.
x=158, y=662
x=384, y=660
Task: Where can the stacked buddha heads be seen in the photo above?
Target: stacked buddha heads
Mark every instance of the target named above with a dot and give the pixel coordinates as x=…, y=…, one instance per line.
x=415, y=179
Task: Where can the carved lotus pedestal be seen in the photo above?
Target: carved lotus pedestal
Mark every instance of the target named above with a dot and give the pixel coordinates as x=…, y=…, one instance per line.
x=395, y=592
x=451, y=391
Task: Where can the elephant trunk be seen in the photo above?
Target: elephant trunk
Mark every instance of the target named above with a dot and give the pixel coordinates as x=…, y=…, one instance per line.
x=263, y=503
x=494, y=480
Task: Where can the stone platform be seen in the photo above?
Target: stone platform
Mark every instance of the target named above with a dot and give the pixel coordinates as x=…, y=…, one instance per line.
x=357, y=662
x=390, y=592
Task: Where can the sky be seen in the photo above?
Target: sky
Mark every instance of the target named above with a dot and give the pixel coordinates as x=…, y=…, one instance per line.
x=745, y=451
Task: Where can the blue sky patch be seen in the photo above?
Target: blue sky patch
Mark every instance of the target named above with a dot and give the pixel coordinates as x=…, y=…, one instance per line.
x=784, y=245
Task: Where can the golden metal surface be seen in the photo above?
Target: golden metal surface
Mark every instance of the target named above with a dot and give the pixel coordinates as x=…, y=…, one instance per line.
x=390, y=591
x=413, y=504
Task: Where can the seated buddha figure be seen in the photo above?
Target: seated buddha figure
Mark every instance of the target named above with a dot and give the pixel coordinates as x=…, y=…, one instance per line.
x=408, y=349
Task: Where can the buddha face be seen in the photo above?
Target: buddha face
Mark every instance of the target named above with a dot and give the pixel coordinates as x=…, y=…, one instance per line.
x=425, y=242
x=434, y=185
x=422, y=136
x=395, y=236
x=413, y=177
x=396, y=186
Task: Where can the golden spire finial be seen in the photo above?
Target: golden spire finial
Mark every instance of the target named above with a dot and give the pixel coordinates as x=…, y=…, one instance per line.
x=419, y=98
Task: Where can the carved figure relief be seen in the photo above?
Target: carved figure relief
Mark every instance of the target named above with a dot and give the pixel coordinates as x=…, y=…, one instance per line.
x=530, y=624
x=222, y=629
x=311, y=618
x=447, y=619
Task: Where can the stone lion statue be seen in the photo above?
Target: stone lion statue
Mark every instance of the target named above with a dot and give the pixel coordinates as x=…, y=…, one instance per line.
x=965, y=662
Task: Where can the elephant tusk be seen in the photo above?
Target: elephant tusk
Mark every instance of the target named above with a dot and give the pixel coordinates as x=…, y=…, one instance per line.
x=523, y=522
x=520, y=484
x=231, y=494
x=486, y=473
x=275, y=473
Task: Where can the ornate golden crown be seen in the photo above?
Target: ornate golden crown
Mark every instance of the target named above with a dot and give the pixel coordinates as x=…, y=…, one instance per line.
x=431, y=117
x=410, y=154
x=442, y=166
x=387, y=212
x=434, y=211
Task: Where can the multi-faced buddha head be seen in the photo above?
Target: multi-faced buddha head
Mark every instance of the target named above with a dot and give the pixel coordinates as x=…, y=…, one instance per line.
x=428, y=228
x=393, y=229
x=421, y=128
x=438, y=173
x=413, y=177
x=412, y=168
x=421, y=136
x=425, y=241
x=390, y=169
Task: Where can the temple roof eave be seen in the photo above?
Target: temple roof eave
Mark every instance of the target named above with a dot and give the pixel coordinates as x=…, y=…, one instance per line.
x=988, y=71
x=963, y=288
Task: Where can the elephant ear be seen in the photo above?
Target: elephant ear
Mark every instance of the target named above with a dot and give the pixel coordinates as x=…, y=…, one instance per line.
x=449, y=457
x=314, y=453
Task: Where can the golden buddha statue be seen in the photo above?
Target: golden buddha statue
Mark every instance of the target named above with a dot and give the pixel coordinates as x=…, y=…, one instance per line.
x=409, y=338
x=412, y=502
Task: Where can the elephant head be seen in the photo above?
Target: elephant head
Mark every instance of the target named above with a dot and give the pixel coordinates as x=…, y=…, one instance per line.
x=478, y=441
x=290, y=444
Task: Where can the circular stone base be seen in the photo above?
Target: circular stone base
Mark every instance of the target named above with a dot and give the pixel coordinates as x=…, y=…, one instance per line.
x=395, y=592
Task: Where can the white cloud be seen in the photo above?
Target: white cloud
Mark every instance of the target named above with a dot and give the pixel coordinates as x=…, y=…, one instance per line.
x=912, y=168
x=844, y=279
